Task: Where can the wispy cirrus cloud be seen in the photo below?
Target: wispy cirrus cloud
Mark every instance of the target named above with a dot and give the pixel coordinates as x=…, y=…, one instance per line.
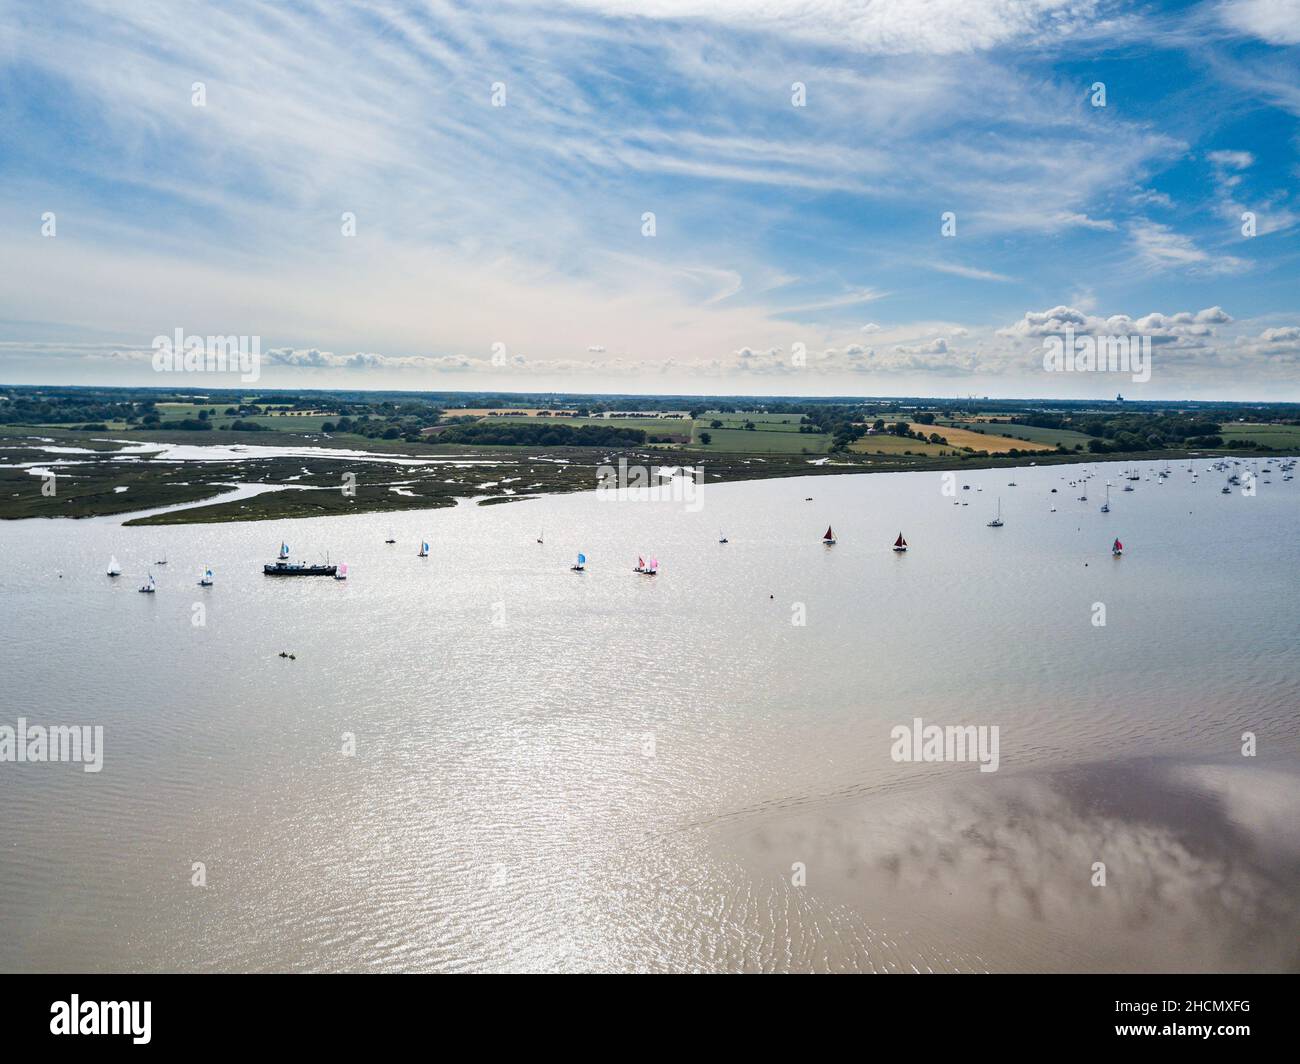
x=524, y=224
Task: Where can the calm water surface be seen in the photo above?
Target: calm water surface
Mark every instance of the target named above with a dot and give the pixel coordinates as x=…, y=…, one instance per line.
x=565, y=771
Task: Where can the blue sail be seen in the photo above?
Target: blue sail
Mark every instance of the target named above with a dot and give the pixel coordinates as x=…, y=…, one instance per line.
x=582, y=559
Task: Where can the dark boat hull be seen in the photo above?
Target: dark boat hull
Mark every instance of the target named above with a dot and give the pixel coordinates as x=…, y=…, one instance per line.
x=300, y=570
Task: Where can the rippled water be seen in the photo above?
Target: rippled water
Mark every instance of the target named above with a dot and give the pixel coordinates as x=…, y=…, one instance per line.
x=606, y=771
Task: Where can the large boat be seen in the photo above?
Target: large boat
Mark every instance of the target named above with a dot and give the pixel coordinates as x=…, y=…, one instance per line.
x=283, y=567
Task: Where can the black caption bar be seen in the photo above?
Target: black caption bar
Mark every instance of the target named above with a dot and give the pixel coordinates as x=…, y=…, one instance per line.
x=145, y=1013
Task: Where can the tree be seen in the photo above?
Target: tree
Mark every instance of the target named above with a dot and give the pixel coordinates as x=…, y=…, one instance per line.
x=706, y=438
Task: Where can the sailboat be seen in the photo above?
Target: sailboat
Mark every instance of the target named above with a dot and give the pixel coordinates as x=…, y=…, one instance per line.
x=150, y=587
x=540, y=535
x=390, y=538
x=640, y=565
x=581, y=566
x=997, y=521
x=206, y=579
x=721, y=537
x=424, y=550
x=342, y=573
x=162, y=560
x=829, y=538
x=1116, y=548
x=653, y=568
x=900, y=544
x=284, y=550
x=1105, y=507
x=113, y=568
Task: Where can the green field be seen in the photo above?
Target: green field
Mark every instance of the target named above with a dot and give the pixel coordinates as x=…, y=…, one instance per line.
x=651, y=426
x=1279, y=437
x=772, y=433
x=761, y=441
x=888, y=443
x=762, y=422
x=1068, y=437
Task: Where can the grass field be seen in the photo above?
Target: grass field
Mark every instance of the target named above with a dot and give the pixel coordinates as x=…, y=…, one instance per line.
x=1038, y=435
x=957, y=438
x=762, y=422
x=1022, y=433
x=994, y=443
x=761, y=441
x=888, y=443
x=652, y=426
x=772, y=433
x=1279, y=437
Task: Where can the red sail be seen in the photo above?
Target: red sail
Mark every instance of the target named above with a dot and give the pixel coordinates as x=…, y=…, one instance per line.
x=1118, y=545
x=829, y=533
x=900, y=541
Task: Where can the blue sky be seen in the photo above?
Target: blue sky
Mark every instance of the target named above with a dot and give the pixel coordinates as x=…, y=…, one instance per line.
x=779, y=229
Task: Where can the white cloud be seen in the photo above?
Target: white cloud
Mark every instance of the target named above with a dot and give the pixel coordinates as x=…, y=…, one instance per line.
x=937, y=27
x=1275, y=21
x=1162, y=248
x=970, y=272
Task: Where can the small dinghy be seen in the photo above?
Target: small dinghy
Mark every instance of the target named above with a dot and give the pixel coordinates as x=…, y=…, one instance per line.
x=1116, y=548
x=206, y=579
x=829, y=538
x=900, y=544
x=113, y=568
x=150, y=587
x=581, y=565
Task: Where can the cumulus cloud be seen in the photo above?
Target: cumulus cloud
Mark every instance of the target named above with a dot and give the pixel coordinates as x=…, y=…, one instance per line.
x=1184, y=326
x=937, y=346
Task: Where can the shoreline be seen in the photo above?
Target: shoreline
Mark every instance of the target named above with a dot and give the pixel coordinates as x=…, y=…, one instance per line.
x=154, y=496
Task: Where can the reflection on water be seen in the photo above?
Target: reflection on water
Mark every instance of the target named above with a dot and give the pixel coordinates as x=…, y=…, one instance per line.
x=1135, y=865
x=573, y=771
